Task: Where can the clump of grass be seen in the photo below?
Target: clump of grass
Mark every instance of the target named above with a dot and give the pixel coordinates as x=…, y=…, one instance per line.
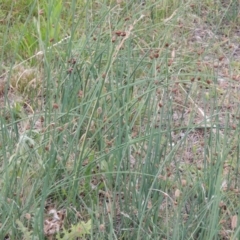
x=127, y=128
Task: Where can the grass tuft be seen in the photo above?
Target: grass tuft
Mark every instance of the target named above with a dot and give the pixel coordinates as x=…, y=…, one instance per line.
x=119, y=119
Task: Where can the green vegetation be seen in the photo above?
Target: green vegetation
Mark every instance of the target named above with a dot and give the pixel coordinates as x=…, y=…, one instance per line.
x=119, y=120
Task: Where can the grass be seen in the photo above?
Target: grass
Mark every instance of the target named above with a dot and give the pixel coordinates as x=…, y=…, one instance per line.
x=119, y=120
